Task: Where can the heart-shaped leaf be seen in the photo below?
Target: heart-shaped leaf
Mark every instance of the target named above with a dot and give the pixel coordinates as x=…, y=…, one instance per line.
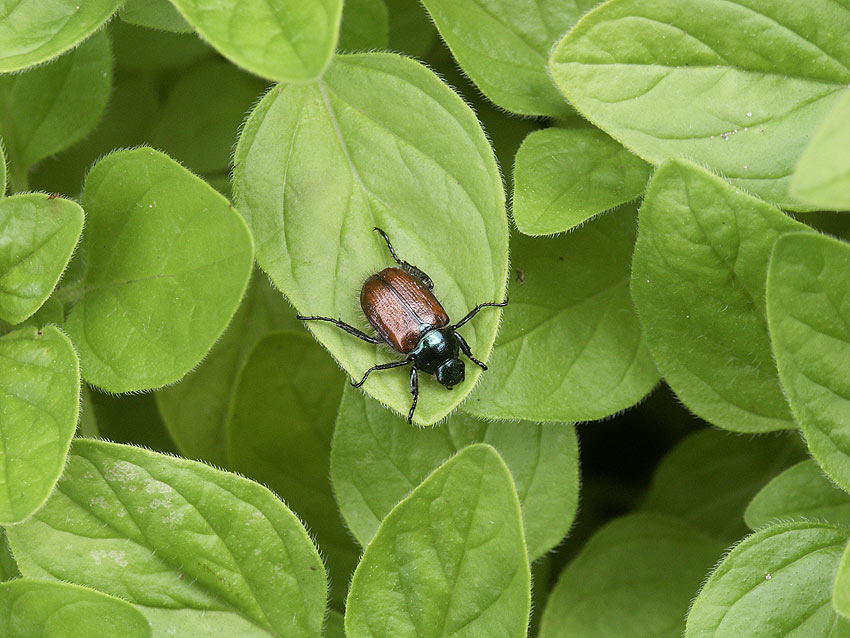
x=777, y=582
x=449, y=560
x=801, y=492
x=571, y=346
x=40, y=399
x=197, y=550
x=34, y=31
x=698, y=283
x=376, y=461
x=379, y=141
x=39, y=234
x=284, y=40
x=565, y=176
x=168, y=260
x=808, y=310
x=674, y=78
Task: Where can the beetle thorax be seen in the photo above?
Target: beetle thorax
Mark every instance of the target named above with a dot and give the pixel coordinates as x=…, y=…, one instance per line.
x=435, y=347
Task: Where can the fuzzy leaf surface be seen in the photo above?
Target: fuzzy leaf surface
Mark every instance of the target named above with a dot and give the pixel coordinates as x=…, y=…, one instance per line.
x=633, y=579
x=808, y=310
x=801, y=492
x=449, y=560
x=571, y=346
x=199, y=551
x=47, y=109
x=378, y=141
x=279, y=434
x=39, y=404
x=377, y=459
x=565, y=176
x=282, y=40
x=698, y=283
x=503, y=45
x=701, y=79
x=776, y=582
x=37, y=236
x=168, y=260
x=34, y=31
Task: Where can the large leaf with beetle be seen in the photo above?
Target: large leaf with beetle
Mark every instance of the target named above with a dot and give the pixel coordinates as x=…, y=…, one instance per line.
x=378, y=141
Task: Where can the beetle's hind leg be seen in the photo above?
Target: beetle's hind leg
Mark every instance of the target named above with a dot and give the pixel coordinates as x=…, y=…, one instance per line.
x=474, y=311
x=467, y=351
x=414, y=390
x=341, y=324
x=383, y=366
x=405, y=266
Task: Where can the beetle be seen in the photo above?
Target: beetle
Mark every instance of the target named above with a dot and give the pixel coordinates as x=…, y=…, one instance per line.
x=400, y=305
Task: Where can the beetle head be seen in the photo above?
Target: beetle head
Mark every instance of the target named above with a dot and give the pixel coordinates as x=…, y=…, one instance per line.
x=450, y=373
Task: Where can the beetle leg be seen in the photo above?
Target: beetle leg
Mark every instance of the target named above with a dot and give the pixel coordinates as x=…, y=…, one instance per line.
x=414, y=390
x=405, y=266
x=341, y=324
x=465, y=347
x=475, y=310
x=383, y=366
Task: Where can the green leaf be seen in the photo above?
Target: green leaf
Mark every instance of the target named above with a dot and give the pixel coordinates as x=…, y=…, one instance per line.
x=142, y=49
x=449, y=560
x=701, y=79
x=634, y=578
x=503, y=46
x=168, y=261
x=709, y=478
x=154, y=14
x=571, y=347
x=2, y=169
x=808, y=310
x=563, y=177
x=411, y=29
x=279, y=434
x=334, y=625
x=47, y=109
x=801, y=492
x=39, y=233
x=379, y=141
x=8, y=567
x=34, y=31
x=376, y=460
x=40, y=399
x=365, y=25
x=199, y=551
x=200, y=120
x=195, y=409
x=841, y=588
x=698, y=284
x=777, y=582
x=59, y=610
x=285, y=40
x=822, y=176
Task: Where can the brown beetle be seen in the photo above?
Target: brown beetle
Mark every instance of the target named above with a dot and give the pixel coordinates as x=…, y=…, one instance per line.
x=399, y=304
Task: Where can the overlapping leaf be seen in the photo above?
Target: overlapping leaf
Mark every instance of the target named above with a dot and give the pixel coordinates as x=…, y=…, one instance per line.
x=449, y=560
x=702, y=79
x=376, y=461
x=571, y=347
x=285, y=40
x=698, y=283
x=808, y=310
x=39, y=234
x=564, y=176
x=777, y=582
x=155, y=14
x=379, y=141
x=39, y=404
x=197, y=550
x=168, y=260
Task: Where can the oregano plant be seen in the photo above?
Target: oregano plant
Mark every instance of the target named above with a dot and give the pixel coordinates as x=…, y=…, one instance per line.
x=650, y=438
